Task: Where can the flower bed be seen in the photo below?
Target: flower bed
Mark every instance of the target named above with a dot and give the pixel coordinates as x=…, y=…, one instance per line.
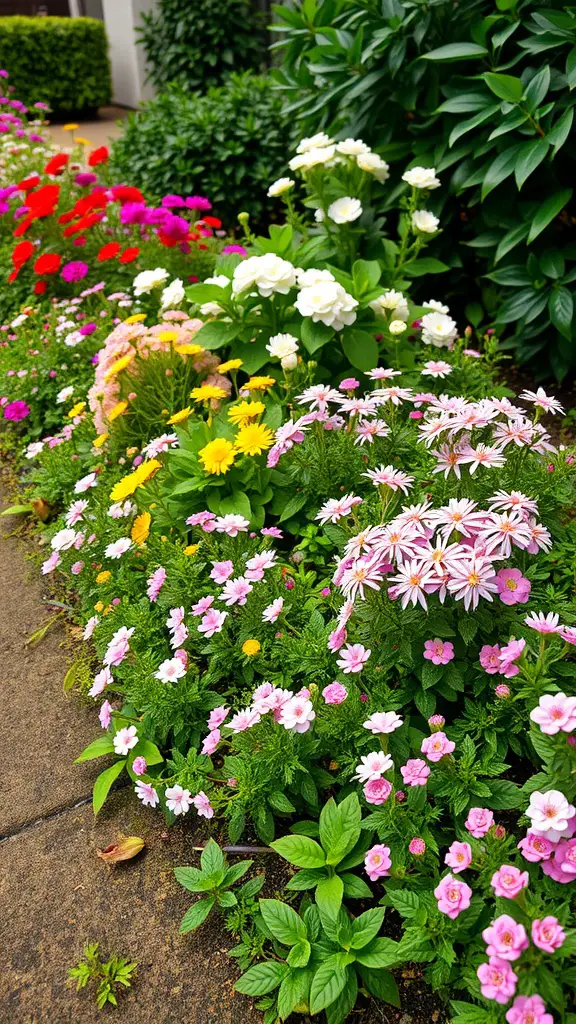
x=324, y=570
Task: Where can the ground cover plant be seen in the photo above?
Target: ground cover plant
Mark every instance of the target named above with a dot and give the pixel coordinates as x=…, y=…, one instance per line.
x=322, y=559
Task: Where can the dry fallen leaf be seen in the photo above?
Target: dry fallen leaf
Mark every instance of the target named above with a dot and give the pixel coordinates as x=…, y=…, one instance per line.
x=41, y=509
x=125, y=849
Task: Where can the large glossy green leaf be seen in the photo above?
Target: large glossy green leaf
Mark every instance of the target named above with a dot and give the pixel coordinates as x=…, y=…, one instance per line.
x=548, y=210
x=559, y=133
x=456, y=51
x=329, y=893
x=103, y=745
x=472, y=122
x=526, y=304
x=499, y=169
x=104, y=782
x=216, y=334
x=300, y=850
x=284, y=923
x=561, y=308
x=327, y=984
x=537, y=89
x=506, y=87
x=530, y=156
x=262, y=978
x=196, y=915
x=361, y=349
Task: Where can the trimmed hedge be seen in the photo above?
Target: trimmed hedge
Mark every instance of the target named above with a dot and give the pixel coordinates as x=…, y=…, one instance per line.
x=61, y=61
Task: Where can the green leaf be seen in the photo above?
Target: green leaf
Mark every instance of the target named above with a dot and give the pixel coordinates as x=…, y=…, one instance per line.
x=360, y=348
x=379, y=953
x=537, y=89
x=340, y=826
x=329, y=893
x=526, y=303
x=262, y=978
x=292, y=506
x=299, y=955
x=284, y=923
x=236, y=872
x=366, y=276
x=506, y=87
x=428, y=265
x=547, y=211
x=212, y=859
x=504, y=795
x=571, y=68
x=356, y=888
x=16, y=510
x=561, y=308
x=499, y=169
x=381, y=984
x=226, y=899
x=280, y=802
x=104, y=782
x=530, y=156
x=216, y=334
x=196, y=915
x=466, y=1013
x=327, y=984
x=472, y=122
x=405, y=901
x=510, y=240
x=308, y=878
x=456, y=51
x=300, y=850
x=191, y=878
x=559, y=133
x=366, y=927
x=293, y=991
x=314, y=336
x=147, y=749
x=338, y=1011
x=103, y=745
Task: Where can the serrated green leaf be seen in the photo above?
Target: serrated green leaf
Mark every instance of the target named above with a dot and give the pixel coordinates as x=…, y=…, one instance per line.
x=196, y=915
x=261, y=978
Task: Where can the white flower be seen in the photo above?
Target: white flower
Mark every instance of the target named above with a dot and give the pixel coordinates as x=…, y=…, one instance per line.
x=219, y=279
x=144, y=283
x=375, y=165
x=173, y=295
x=34, y=449
x=297, y=713
x=284, y=347
x=125, y=739
x=170, y=670
x=397, y=327
x=314, y=142
x=19, y=320
x=279, y=186
x=319, y=215
x=345, y=210
x=64, y=394
x=392, y=301
x=73, y=339
x=311, y=158
x=421, y=177
x=118, y=547
x=373, y=766
x=424, y=221
x=352, y=147
x=329, y=303
x=63, y=540
x=550, y=813
x=178, y=800
x=268, y=273
x=438, y=307
x=307, y=278
x=438, y=329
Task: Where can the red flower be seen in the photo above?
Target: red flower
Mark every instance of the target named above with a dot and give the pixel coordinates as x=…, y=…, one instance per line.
x=57, y=164
x=22, y=252
x=40, y=204
x=28, y=183
x=12, y=277
x=83, y=224
x=40, y=287
x=127, y=194
x=108, y=252
x=129, y=255
x=98, y=156
x=212, y=222
x=48, y=263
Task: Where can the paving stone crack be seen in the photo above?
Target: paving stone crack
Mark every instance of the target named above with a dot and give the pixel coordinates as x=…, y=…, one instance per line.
x=26, y=826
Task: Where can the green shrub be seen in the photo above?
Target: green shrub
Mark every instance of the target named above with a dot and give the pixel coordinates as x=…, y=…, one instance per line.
x=228, y=145
x=61, y=61
x=484, y=93
x=196, y=43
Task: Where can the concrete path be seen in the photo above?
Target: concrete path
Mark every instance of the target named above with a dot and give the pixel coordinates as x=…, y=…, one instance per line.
x=100, y=131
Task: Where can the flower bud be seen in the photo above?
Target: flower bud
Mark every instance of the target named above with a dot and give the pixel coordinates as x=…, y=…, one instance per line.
x=123, y=850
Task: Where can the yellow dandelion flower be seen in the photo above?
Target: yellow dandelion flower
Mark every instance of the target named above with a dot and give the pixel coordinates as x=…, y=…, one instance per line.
x=146, y=470
x=253, y=439
x=128, y=484
x=98, y=607
x=82, y=141
x=232, y=364
x=117, y=411
x=168, y=336
x=207, y=393
x=244, y=412
x=191, y=549
x=102, y=577
x=141, y=528
x=119, y=365
x=251, y=647
x=100, y=440
x=188, y=349
x=217, y=456
x=136, y=318
x=76, y=409
x=259, y=383
x=72, y=127
x=179, y=417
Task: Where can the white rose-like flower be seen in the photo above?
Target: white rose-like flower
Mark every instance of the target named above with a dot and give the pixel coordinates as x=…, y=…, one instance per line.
x=311, y=158
x=550, y=813
x=438, y=307
x=149, y=279
x=374, y=165
x=421, y=177
x=284, y=347
x=279, y=186
x=173, y=295
x=268, y=273
x=329, y=303
x=397, y=327
x=345, y=210
x=63, y=540
x=424, y=221
x=352, y=147
x=219, y=279
x=214, y=308
x=64, y=394
x=314, y=142
x=306, y=278
x=438, y=329
x=319, y=215
x=391, y=301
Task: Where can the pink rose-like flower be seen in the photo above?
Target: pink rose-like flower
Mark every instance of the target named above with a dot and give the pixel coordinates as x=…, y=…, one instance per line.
x=490, y=658
x=222, y=571
x=509, y=881
x=439, y=652
x=436, y=722
x=377, y=791
x=212, y=623
x=335, y=693
x=16, y=411
x=513, y=587
x=211, y=741
x=502, y=691
x=536, y=848
x=453, y=896
x=505, y=938
x=555, y=712
x=479, y=821
x=139, y=766
x=353, y=658
x=377, y=862
x=383, y=722
x=415, y=772
x=509, y=655
x=217, y=716
x=497, y=980
x=437, y=746
x=548, y=934
x=529, y=1010
x=459, y=857
x=417, y=847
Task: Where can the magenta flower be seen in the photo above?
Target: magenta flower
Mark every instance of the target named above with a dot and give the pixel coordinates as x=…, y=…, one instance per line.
x=548, y=934
x=502, y=691
x=16, y=411
x=505, y=938
x=436, y=746
x=509, y=881
x=529, y=1010
x=513, y=587
x=459, y=857
x=453, y=896
x=439, y=652
x=377, y=791
x=417, y=847
x=239, y=249
x=74, y=271
x=334, y=693
x=415, y=772
x=479, y=821
x=198, y=203
x=497, y=980
x=377, y=862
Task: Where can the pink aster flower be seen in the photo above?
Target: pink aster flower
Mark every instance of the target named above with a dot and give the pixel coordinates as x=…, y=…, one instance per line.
x=436, y=368
x=555, y=712
x=236, y=591
x=212, y=622
x=102, y=679
x=453, y=896
x=437, y=746
x=479, y=821
x=297, y=714
x=490, y=658
x=548, y=934
x=76, y=511
x=568, y=634
x=513, y=587
x=105, y=714
x=535, y=847
x=415, y=772
x=546, y=402
x=509, y=655
x=273, y=611
x=528, y=1010
x=543, y=623
x=497, y=980
x=336, y=508
x=51, y=563
x=387, y=476
x=199, y=518
x=203, y=805
x=334, y=693
x=383, y=722
x=231, y=524
x=243, y=720
x=146, y=793
x=377, y=791
x=439, y=652
x=472, y=580
x=217, y=716
x=509, y=881
x=505, y=938
x=257, y=565
x=411, y=582
x=459, y=857
x=90, y=627
x=353, y=658
x=373, y=765
x=377, y=862
x=221, y=571
x=202, y=606
x=178, y=800
x=170, y=671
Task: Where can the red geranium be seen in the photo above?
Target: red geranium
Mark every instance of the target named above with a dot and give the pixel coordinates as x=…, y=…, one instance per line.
x=22, y=252
x=28, y=183
x=57, y=164
x=211, y=222
x=98, y=156
x=129, y=255
x=127, y=194
x=40, y=287
x=48, y=263
x=40, y=204
x=108, y=251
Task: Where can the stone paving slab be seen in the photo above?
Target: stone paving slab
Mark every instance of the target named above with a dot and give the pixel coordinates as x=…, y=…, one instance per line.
x=100, y=131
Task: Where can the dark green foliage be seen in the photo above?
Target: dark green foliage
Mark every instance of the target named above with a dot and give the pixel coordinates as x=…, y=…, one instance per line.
x=483, y=93
x=227, y=145
x=60, y=61
x=196, y=43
